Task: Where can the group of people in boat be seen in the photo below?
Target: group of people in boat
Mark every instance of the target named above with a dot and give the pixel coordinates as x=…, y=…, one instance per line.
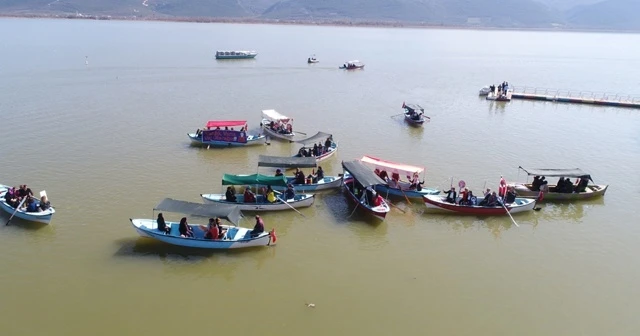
x=23, y=198
x=350, y=66
x=491, y=198
x=394, y=181
x=564, y=185
x=280, y=127
x=248, y=196
x=213, y=231
x=366, y=195
x=317, y=150
x=300, y=178
x=199, y=131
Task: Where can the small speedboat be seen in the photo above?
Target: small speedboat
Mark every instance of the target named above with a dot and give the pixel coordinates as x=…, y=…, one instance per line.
x=437, y=202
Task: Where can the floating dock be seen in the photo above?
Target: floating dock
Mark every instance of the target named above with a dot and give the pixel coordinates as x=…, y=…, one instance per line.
x=576, y=97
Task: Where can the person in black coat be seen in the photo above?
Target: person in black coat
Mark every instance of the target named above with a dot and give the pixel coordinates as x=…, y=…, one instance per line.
x=451, y=195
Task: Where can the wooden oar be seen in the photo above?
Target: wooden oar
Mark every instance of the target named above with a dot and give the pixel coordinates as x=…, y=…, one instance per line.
x=405, y=195
x=397, y=207
x=289, y=205
x=508, y=213
x=397, y=115
x=18, y=207
x=303, y=133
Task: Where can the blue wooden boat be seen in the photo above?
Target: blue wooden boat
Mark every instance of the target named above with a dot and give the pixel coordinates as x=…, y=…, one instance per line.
x=39, y=217
x=235, y=237
x=221, y=133
x=287, y=162
x=394, y=185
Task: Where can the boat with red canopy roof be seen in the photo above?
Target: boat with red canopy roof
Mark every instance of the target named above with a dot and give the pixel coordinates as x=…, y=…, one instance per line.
x=225, y=133
x=392, y=174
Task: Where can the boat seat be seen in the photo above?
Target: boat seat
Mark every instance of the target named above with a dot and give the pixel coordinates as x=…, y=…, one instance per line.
x=231, y=233
x=175, y=230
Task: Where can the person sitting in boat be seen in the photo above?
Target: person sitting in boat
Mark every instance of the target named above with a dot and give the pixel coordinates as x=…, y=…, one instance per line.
x=230, y=196
x=32, y=206
x=289, y=193
x=510, y=197
x=377, y=201
x=493, y=200
x=472, y=199
x=24, y=191
x=211, y=231
x=162, y=225
x=185, y=229
x=198, y=133
x=560, y=185
x=383, y=174
x=44, y=203
x=319, y=174
x=302, y=152
x=300, y=179
x=328, y=143
x=11, y=198
x=221, y=231
x=258, y=228
x=582, y=185
x=464, y=196
x=415, y=182
x=279, y=172
x=535, y=185
x=487, y=196
x=271, y=195
x=249, y=196
x=451, y=196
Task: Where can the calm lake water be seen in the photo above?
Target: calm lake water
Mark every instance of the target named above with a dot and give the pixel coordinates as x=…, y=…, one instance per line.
x=107, y=141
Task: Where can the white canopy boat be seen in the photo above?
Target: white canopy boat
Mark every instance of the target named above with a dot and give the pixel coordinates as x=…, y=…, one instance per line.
x=391, y=173
x=277, y=125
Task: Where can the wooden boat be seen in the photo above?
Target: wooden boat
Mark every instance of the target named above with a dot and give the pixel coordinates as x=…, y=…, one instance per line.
x=221, y=133
x=40, y=217
x=277, y=126
x=260, y=204
x=358, y=180
x=438, y=202
x=235, y=237
x=414, y=114
x=224, y=55
x=352, y=65
x=307, y=146
x=394, y=185
x=591, y=191
x=287, y=162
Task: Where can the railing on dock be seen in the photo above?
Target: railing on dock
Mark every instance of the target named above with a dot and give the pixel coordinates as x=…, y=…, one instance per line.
x=584, y=95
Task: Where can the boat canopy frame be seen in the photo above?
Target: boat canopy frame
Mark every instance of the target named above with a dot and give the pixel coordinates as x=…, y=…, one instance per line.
x=229, y=212
x=362, y=173
x=287, y=162
x=254, y=179
x=225, y=123
x=320, y=136
x=557, y=172
x=274, y=115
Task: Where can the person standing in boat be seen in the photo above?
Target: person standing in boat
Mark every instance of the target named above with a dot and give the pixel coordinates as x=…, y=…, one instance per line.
x=319, y=174
x=300, y=179
x=258, y=228
x=328, y=143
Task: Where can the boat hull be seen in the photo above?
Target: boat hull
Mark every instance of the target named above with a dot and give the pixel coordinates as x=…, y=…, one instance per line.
x=358, y=67
x=251, y=140
x=300, y=201
x=592, y=191
x=411, y=121
x=39, y=217
x=326, y=183
x=237, y=57
x=236, y=237
x=387, y=190
x=435, y=202
x=379, y=212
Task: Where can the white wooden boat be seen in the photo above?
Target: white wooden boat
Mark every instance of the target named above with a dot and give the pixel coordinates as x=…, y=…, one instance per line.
x=287, y=162
x=40, y=217
x=235, y=237
x=233, y=54
x=358, y=180
x=225, y=133
x=277, y=126
x=352, y=65
x=260, y=204
x=392, y=173
x=307, y=146
x=438, y=202
x=551, y=194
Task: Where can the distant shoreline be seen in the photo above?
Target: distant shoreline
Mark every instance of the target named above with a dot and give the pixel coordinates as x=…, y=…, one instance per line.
x=332, y=23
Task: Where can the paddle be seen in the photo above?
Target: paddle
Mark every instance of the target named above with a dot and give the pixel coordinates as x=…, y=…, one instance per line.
x=289, y=205
x=303, y=133
x=397, y=207
x=508, y=213
x=18, y=207
x=397, y=115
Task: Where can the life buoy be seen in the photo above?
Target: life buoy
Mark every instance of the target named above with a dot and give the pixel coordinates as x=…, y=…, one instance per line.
x=502, y=189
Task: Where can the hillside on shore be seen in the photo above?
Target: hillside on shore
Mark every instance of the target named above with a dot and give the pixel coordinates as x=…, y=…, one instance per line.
x=558, y=14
